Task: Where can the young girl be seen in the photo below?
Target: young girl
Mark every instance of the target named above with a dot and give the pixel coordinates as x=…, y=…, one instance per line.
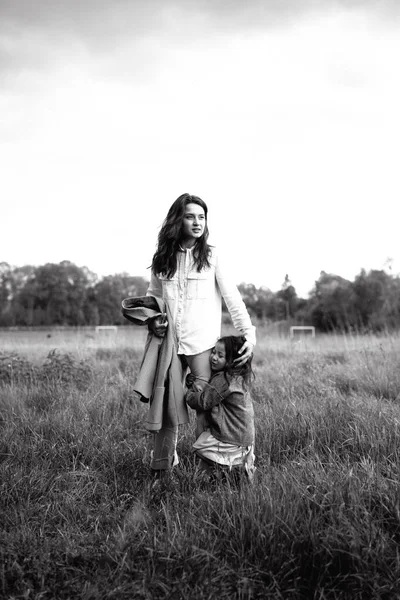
x=229, y=437
x=191, y=277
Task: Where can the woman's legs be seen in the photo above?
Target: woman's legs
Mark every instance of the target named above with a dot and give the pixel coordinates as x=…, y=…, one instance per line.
x=164, y=448
x=199, y=365
x=164, y=454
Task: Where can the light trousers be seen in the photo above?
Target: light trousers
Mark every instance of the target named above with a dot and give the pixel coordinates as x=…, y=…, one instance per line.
x=164, y=454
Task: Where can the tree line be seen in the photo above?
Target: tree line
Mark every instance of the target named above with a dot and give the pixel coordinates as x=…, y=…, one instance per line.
x=67, y=295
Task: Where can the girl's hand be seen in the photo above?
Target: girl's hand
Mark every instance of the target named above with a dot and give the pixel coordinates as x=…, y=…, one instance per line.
x=159, y=325
x=191, y=383
x=245, y=351
x=190, y=379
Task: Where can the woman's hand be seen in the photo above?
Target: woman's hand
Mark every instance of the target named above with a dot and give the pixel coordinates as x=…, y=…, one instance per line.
x=245, y=351
x=159, y=325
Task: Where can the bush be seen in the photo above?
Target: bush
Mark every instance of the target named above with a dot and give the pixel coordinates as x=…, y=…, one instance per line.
x=60, y=369
x=14, y=369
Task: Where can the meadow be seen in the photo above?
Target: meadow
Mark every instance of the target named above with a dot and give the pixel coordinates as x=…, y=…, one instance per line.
x=79, y=517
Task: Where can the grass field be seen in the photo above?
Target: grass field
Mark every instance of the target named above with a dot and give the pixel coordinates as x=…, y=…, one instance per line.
x=78, y=517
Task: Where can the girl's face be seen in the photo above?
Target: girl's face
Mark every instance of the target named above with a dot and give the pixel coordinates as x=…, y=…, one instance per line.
x=218, y=357
x=194, y=222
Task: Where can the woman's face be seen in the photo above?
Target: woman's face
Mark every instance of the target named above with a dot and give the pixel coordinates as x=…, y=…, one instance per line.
x=194, y=222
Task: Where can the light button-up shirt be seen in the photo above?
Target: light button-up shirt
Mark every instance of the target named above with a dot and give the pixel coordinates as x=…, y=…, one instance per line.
x=194, y=299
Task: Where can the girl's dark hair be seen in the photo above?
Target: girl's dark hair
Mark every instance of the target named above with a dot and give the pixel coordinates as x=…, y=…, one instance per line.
x=165, y=258
x=232, y=344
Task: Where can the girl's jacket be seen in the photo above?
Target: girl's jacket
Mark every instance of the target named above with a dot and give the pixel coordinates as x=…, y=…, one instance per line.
x=160, y=378
x=228, y=408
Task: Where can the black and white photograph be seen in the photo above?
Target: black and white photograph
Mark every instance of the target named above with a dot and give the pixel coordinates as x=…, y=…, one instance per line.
x=199, y=300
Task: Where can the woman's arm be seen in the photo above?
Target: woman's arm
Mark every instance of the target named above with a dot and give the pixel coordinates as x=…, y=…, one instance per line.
x=237, y=308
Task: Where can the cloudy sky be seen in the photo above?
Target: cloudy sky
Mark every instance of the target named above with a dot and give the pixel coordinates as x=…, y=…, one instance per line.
x=283, y=115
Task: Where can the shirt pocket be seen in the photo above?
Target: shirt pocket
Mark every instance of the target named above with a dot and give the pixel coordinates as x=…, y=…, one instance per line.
x=199, y=285
x=169, y=287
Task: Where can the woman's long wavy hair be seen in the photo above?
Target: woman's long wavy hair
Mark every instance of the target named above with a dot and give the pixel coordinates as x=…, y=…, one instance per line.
x=165, y=258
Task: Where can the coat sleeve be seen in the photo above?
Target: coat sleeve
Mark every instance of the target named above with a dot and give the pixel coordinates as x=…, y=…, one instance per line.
x=213, y=394
x=155, y=287
x=233, y=299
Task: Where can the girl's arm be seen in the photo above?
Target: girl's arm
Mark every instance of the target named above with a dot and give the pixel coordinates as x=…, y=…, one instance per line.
x=213, y=394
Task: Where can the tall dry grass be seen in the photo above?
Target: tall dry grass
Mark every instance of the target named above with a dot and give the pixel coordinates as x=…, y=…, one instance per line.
x=79, y=518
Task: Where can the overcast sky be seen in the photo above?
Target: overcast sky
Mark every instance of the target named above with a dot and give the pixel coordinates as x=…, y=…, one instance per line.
x=283, y=115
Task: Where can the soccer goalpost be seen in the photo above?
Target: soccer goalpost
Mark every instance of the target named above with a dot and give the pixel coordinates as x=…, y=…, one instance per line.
x=106, y=328
x=302, y=330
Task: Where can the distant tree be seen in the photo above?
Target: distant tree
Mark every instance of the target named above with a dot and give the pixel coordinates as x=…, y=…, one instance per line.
x=301, y=315
x=65, y=294
x=5, y=294
x=289, y=297
x=55, y=295
x=109, y=293
x=20, y=309
x=249, y=295
x=260, y=302
x=377, y=300
x=332, y=303
x=12, y=282
x=90, y=308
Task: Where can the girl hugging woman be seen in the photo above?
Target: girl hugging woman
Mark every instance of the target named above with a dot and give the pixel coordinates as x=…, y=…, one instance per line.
x=228, y=439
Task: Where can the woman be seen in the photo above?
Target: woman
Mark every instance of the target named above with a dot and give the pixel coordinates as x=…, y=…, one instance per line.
x=191, y=277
